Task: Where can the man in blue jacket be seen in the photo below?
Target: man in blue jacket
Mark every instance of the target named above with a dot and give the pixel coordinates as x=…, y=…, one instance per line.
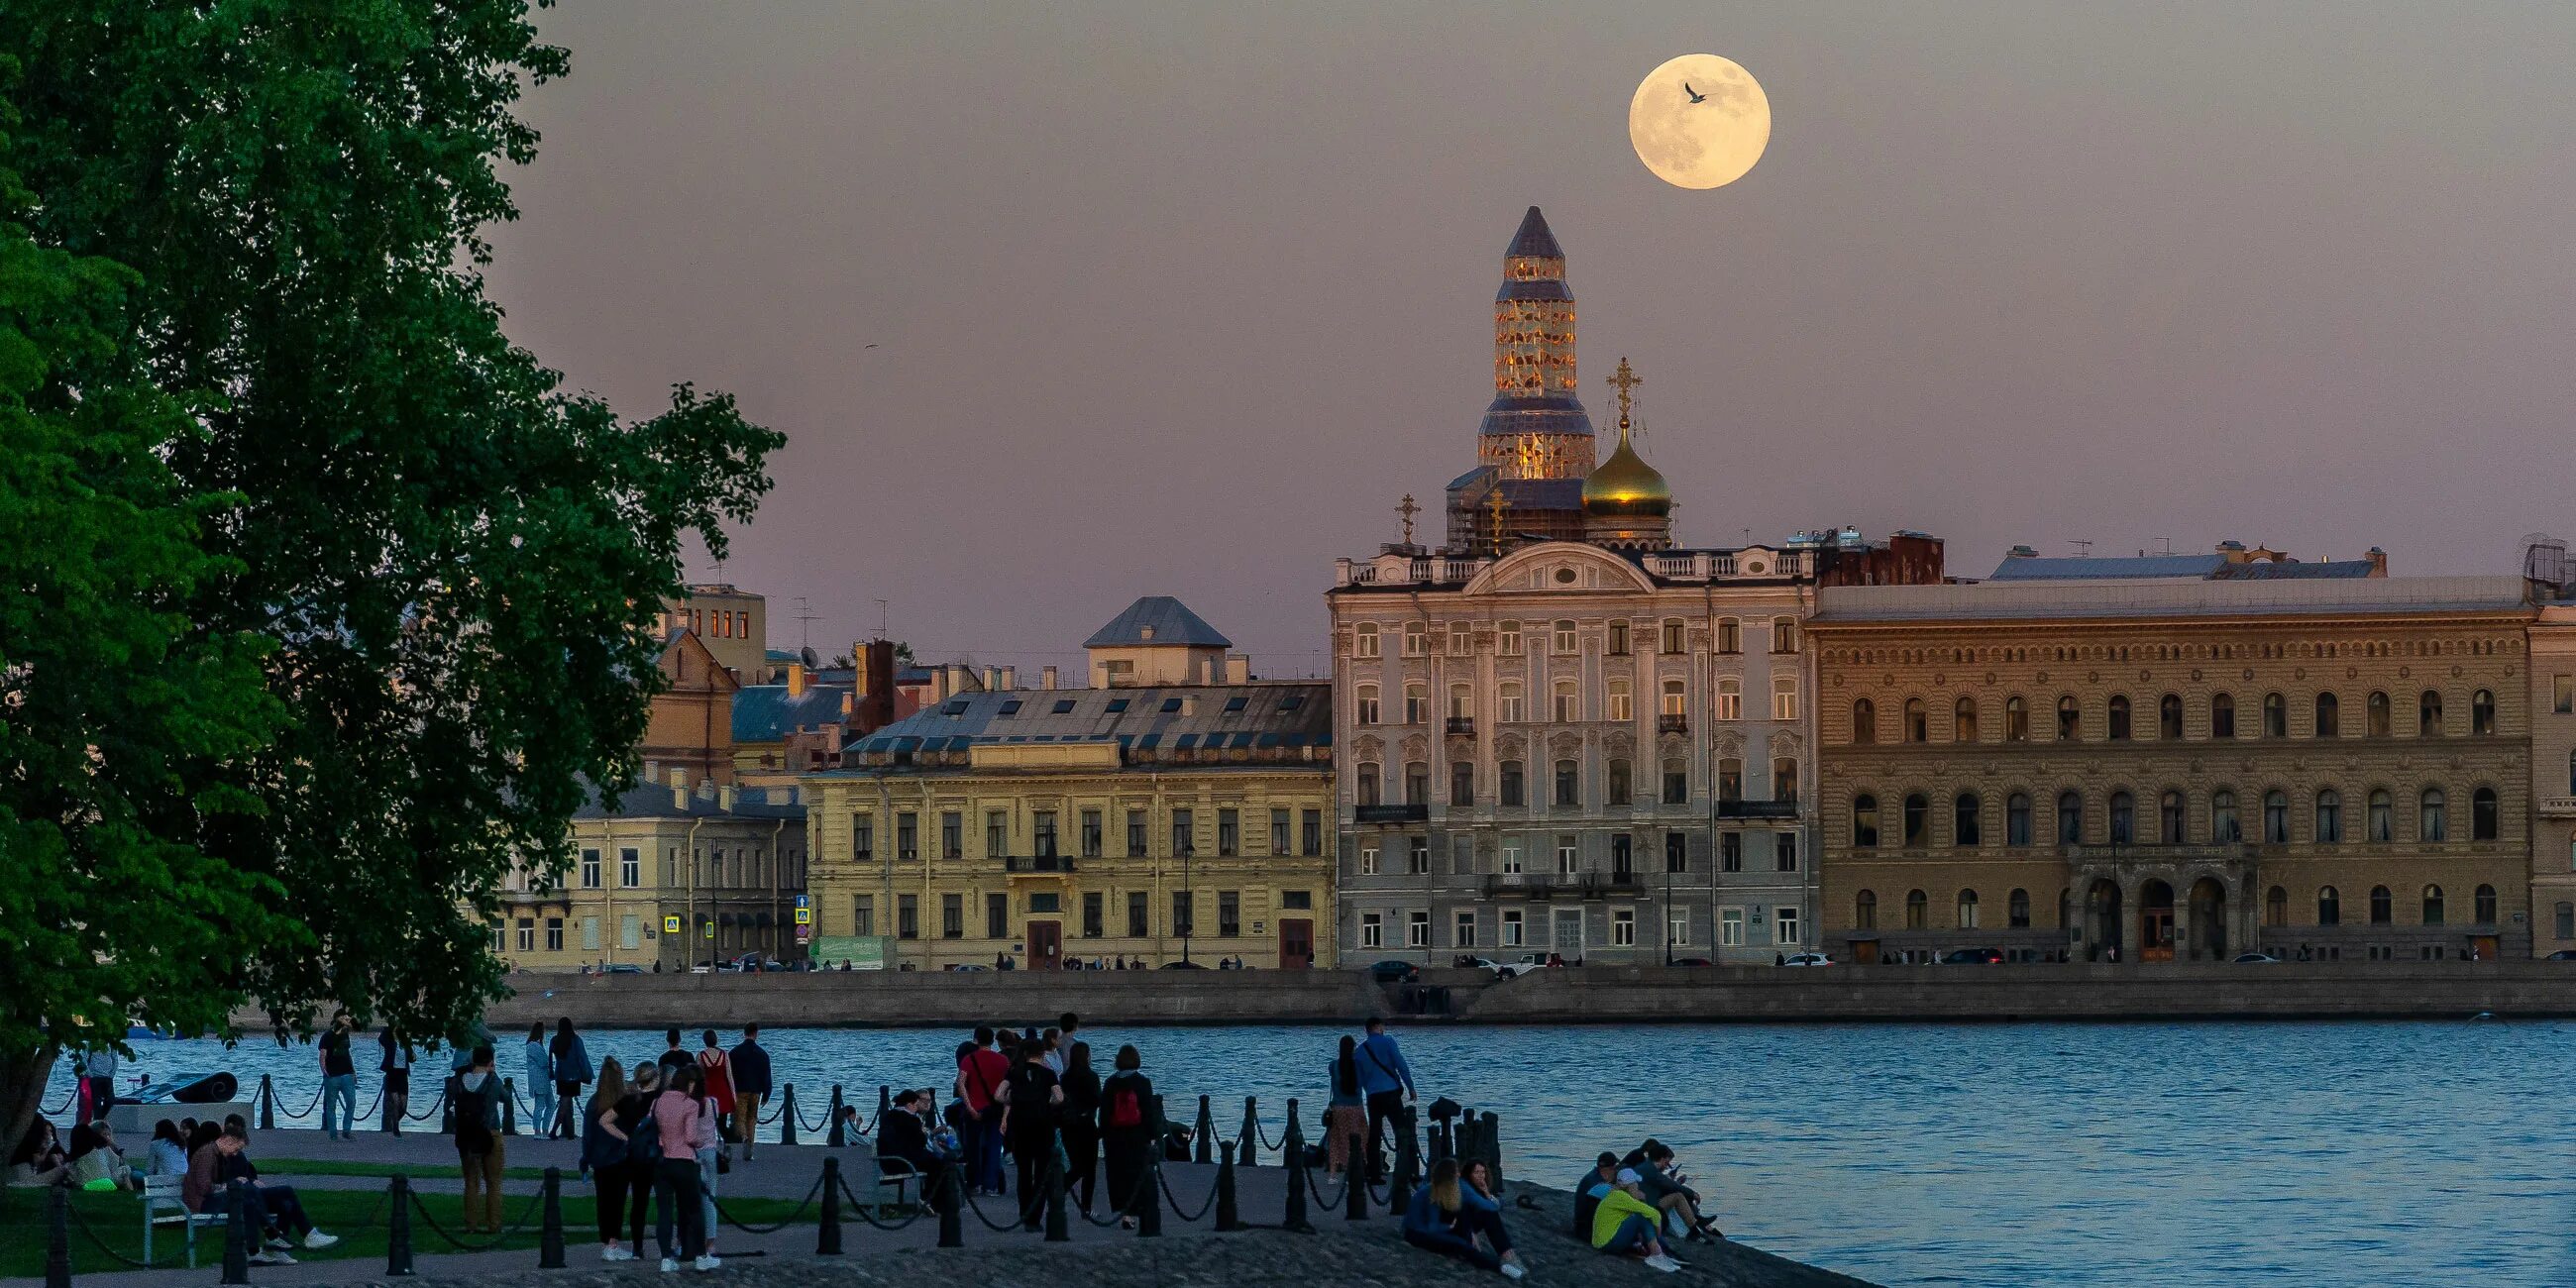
x=1388, y=1083
x=750, y=1085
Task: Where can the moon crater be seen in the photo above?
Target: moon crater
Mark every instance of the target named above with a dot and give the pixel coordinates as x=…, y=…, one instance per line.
x=1699, y=121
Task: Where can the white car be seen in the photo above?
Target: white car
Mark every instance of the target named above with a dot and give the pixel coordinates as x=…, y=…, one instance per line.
x=1503, y=970
x=1808, y=959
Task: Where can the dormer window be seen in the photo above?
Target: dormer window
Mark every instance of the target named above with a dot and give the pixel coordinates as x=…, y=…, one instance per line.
x=1171, y=705
x=1235, y=703
x=1117, y=705
x=1292, y=702
x=1063, y=705
x=956, y=708
x=1011, y=707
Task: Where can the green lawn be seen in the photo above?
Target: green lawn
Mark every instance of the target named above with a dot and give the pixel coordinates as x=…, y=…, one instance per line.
x=293, y=1167
x=118, y=1222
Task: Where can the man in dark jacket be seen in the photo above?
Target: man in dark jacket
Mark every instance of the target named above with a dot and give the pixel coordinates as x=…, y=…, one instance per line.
x=750, y=1085
x=1653, y=1162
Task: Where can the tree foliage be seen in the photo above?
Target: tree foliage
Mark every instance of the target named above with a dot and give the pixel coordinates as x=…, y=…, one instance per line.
x=444, y=567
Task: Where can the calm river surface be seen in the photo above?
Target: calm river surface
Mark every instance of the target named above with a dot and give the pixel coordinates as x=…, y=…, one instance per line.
x=2166, y=1154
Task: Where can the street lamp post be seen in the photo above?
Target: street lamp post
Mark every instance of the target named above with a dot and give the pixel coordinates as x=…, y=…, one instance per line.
x=1189, y=895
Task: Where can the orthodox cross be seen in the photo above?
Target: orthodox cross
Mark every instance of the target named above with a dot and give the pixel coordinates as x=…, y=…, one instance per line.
x=1625, y=380
x=1408, y=510
x=1494, y=501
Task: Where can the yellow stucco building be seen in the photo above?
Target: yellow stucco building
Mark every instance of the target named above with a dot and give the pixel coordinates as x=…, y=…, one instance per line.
x=1152, y=822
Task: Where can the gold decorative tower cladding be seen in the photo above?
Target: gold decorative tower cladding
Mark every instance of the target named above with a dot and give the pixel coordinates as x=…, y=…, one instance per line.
x=1536, y=427
x=1626, y=502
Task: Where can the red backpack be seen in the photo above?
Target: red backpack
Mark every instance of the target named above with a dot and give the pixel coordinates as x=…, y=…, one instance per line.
x=1125, y=1108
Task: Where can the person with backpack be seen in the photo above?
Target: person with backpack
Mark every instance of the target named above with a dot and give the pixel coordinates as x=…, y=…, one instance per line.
x=679, y=1133
x=1127, y=1134
x=1388, y=1083
x=1031, y=1101
x=479, y=1151
x=631, y=1121
x=604, y=1141
x=715, y=1070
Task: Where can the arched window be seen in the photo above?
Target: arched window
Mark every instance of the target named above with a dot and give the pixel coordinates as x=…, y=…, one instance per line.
x=1784, y=697
x=2069, y=719
x=2329, y=716
x=2170, y=818
x=1964, y=821
x=2276, y=716
x=1565, y=710
x=1417, y=782
x=2276, y=817
x=1365, y=700
x=2119, y=717
x=1676, y=699
x=2484, y=818
x=2016, y=719
x=1514, y=783
x=2329, y=817
x=1865, y=910
x=1784, y=779
x=1369, y=783
x=2378, y=716
x=1730, y=701
x=2223, y=827
x=2329, y=907
x=2432, y=905
x=2169, y=716
x=1967, y=910
x=2276, y=907
x=1917, y=727
x=1562, y=638
x=1917, y=909
x=1417, y=703
x=2482, y=712
x=1864, y=720
x=2428, y=714
x=2486, y=905
x=2382, y=907
x=1918, y=821
x=2222, y=716
x=2124, y=819
x=2383, y=815
x=1864, y=822
x=2070, y=818
x=1364, y=641
x=1569, y=785
x=1621, y=782
x=1462, y=702
x=2017, y=819
x=1623, y=704
x=1513, y=707
x=1963, y=719
x=2432, y=818
x=2017, y=909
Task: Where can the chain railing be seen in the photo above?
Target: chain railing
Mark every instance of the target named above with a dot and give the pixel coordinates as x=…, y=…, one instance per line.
x=782, y=1223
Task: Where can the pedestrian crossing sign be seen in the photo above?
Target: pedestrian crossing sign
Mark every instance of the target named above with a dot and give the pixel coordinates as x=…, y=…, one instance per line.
x=670, y=925
x=804, y=916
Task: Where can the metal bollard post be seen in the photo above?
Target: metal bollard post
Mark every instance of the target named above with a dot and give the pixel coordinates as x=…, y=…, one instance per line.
x=1054, y=1181
x=267, y=1104
x=447, y=1106
x=1228, y=1219
x=237, y=1233
x=398, y=1229
x=1206, y=1133
x=392, y=1121
x=1355, y=1179
x=510, y=1112
x=58, y=1238
x=787, y=1114
x=1149, y=1218
x=832, y=1137
x=1294, y=1147
x=1493, y=1143
x=1408, y=1161
x=952, y=1207
x=827, y=1236
x=550, y=1236
x=1248, y=1141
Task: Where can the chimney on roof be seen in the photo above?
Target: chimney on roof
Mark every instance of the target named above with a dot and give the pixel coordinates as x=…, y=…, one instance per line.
x=955, y=684
x=1046, y=677
x=680, y=795
x=1010, y=677
x=1238, y=668
x=2378, y=562
x=724, y=797
x=875, y=710
x=796, y=679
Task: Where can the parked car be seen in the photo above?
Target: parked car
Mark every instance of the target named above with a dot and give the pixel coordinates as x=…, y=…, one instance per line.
x=1392, y=971
x=1185, y=965
x=2256, y=959
x=2562, y=955
x=1502, y=970
x=1808, y=959
x=1692, y=961
x=968, y=968
x=621, y=968
x=1973, y=957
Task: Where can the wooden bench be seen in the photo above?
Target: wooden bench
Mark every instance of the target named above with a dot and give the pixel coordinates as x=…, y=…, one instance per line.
x=163, y=1206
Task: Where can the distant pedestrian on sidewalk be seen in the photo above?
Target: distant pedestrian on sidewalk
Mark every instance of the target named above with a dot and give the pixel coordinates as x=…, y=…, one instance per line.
x=1346, y=1108
x=750, y=1086
x=97, y=1084
x=676, y=1199
x=1127, y=1134
x=479, y=1154
x=540, y=1082
x=569, y=1062
x=394, y=1061
x=673, y=1059
x=1388, y=1082
x=339, y=1079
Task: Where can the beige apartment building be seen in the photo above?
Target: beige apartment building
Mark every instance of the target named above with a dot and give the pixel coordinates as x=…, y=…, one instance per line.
x=2337, y=768
x=2553, y=778
x=669, y=877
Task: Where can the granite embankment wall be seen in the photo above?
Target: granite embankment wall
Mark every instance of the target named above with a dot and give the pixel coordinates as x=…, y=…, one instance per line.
x=1600, y=994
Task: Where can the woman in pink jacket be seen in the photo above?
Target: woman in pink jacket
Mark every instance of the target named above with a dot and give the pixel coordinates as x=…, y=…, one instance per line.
x=682, y=1132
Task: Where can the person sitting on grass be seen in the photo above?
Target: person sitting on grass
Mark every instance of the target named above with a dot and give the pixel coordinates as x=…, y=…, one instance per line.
x=1625, y=1223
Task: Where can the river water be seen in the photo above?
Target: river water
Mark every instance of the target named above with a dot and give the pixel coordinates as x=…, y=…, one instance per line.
x=2167, y=1154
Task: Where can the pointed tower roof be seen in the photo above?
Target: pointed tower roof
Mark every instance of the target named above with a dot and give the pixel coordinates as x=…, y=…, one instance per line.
x=1534, y=240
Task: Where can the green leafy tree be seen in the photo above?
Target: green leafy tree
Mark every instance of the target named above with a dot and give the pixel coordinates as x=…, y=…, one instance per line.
x=454, y=565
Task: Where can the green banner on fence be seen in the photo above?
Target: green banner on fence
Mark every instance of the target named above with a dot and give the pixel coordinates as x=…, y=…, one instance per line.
x=862, y=952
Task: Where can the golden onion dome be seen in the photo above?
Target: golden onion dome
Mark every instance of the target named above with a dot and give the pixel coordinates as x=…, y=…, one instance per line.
x=1625, y=486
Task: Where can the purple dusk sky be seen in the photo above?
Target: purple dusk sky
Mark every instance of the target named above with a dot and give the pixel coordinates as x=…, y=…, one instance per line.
x=1181, y=299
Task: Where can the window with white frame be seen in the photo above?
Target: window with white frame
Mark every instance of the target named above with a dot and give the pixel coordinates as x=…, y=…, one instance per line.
x=1372, y=930
x=590, y=869
x=1365, y=696
x=1513, y=931
x=1364, y=640
x=1622, y=704
x=1676, y=701
x=1784, y=698
x=1417, y=930
x=1730, y=927
x=1462, y=639
x=1462, y=702
x=1368, y=860
x=1507, y=639
x=1464, y=930
x=1784, y=634
x=1784, y=925
x=1511, y=862
x=1566, y=710
x=1417, y=703
x=1730, y=698
x=1514, y=709
x=1678, y=929
x=1417, y=639
x=1563, y=638
x=1623, y=927
x=1569, y=857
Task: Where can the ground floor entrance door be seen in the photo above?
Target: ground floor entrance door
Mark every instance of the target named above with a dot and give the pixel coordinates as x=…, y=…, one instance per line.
x=2156, y=923
x=1864, y=952
x=1296, y=943
x=1046, y=945
x=2484, y=946
x=1569, y=932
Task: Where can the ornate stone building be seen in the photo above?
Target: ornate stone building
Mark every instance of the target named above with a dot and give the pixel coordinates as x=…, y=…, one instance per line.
x=2186, y=768
x=674, y=875
x=2553, y=778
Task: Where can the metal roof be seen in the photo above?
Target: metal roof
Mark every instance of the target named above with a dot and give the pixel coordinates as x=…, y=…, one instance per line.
x=653, y=801
x=2094, y=599
x=1157, y=619
x=766, y=713
x=1534, y=238
x=2123, y=568
x=1198, y=716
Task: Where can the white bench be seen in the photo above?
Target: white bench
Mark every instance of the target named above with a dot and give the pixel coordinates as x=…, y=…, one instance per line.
x=163, y=1206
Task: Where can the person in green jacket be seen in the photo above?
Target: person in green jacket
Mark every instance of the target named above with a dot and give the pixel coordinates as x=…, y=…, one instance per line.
x=1625, y=1224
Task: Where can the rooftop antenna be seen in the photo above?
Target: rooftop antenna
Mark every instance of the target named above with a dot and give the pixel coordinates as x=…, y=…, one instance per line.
x=2083, y=548
x=2164, y=545
x=881, y=617
x=805, y=617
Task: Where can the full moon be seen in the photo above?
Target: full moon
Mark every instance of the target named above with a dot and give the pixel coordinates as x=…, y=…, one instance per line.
x=1699, y=121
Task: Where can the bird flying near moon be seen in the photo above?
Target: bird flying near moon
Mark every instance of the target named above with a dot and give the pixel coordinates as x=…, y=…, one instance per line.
x=1699, y=121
